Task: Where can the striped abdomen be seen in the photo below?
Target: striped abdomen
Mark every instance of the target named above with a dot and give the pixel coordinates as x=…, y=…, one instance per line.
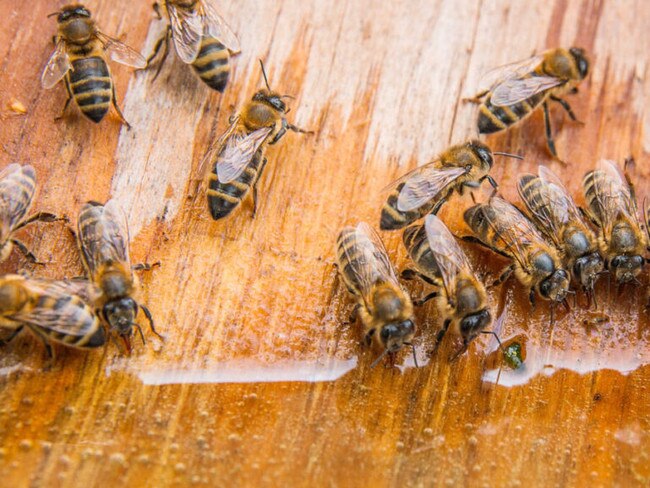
x=417, y=245
x=223, y=198
x=349, y=256
x=494, y=119
x=213, y=64
x=476, y=220
x=91, y=85
x=597, y=183
x=392, y=218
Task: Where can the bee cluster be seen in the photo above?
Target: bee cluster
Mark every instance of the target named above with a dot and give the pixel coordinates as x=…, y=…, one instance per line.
x=549, y=245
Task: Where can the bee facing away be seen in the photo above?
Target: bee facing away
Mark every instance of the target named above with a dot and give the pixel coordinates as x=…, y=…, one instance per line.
x=17, y=189
x=524, y=86
x=79, y=58
x=50, y=310
x=201, y=37
x=502, y=228
x=385, y=309
x=103, y=239
x=460, y=296
x=611, y=206
x=237, y=159
x=425, y=189
x=554, y=212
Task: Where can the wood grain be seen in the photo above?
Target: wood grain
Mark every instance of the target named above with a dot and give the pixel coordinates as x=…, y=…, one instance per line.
x=260, y=382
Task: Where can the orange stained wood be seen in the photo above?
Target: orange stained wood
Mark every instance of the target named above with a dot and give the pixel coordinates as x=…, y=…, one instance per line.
x=260, y=380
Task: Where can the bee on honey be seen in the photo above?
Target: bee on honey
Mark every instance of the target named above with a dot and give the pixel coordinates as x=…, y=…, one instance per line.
x=460, y=296
x=554, y=212
x=237, y=159
x=79, y=58
x=425, y=189
x=502, y=228
x=103, y=239
x=50, y=311
x=524, y=86
x=17, y=189
x=611, y=206
x=201, y=37
x=385, y=309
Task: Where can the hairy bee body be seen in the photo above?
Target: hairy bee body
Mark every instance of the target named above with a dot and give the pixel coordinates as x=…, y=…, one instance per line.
x=419, y=250
x=212, y=64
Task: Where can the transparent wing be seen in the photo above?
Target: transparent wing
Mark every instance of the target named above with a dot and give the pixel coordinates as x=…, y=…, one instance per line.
x=614, y=195
x=237, y=152
x=448, y=255
x=17, y=188
x=425, y=183
x=515, y=90
x=121, y=53
x=57, y=66
x=81, y=287
x=369, y=259
x=215, y=26
x=515, y=69
x=187, y=31
x=215, y=146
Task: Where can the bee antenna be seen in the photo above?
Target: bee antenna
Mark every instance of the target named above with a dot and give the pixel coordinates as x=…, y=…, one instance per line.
x=495, y=335
x=415, y=358
x=290, y=97
x=266, y=80
x=53, y=14
x=509, y=155
x=381, y=356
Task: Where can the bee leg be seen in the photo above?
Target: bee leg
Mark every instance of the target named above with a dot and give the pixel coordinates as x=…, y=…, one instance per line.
x=281, y=133
x=41, y=217
x=410, y=274
x=425, y=299
x=117, y=109
x=367, y=339
x=26, y=252
x=531, y=299
x=156, y=9
x=164, y=39
x=137, y=326
x=460, y=352
x=294, y=128
x=147, y=313
x=67, y=102
x=550, y=143
x=11, y=336
x=354, y=315
x=567, y=107
x=145, y=266
x=505, y=274
x=478, y=98
x=441, y=333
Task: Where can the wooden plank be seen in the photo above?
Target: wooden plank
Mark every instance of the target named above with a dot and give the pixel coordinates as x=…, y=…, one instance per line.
x=259, y=380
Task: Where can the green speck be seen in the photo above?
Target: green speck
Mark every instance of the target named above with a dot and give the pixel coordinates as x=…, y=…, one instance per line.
x=512, y=355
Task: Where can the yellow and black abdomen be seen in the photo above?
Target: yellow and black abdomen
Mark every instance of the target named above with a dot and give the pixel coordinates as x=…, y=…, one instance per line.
x=494, y=119
x=594, y=183
x=349, y=257
x=91, y=85
x=223, y=198
x=212, y=64
x=392, y=218
x=417, y=246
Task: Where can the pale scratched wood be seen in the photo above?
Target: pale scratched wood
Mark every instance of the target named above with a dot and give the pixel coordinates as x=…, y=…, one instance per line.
x=257, y=300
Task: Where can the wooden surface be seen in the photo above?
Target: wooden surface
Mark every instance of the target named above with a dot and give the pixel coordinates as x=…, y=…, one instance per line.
x=259, y=382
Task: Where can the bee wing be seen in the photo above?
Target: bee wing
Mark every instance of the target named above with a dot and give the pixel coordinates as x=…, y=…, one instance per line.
x=81, y=287
x=515, y=90
x=369, y=259
x=449, y=257
x=187, y=31
x=237, y=152
x=121, y=53
x=65, y=318
x=103, y=235
x=516, y=69
x=425, y=183
x=15, y=197
x=57, y=66
x=215, y=26
x=615, y=197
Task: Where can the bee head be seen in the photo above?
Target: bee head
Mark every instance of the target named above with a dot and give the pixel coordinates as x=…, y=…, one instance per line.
x=72, y=11
x=394, y=336
x=472, y=325
x=75, y=23
x=120, y=315
x=581, y=61
x=274, y=100
x=482, y=152
x=625, y=268
x=587, y=268
x=556, y=286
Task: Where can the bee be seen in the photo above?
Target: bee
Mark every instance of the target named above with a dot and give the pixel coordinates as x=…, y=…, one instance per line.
x=50, y=311
x=425, y=189
x=460, y=296
x=385, y=309
x=79, y=58
x=201, y=37
x=237, y=159
x=611, y=206
x=17, y=189
x=103, y=239
x=524, y=86
x=554, y=212
x=499, y=226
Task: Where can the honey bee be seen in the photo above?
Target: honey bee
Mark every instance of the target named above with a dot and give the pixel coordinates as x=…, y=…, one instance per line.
x=385, y=309
x=611, y=206
x=460, y=296
x=524, y=86
x=502, y=228
x=50, y=311
x=17, y=189
x=201, y=37
x=237, y=159
x=425, y=189
x=553, y=210
x=79, y=58
x=103, y=239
